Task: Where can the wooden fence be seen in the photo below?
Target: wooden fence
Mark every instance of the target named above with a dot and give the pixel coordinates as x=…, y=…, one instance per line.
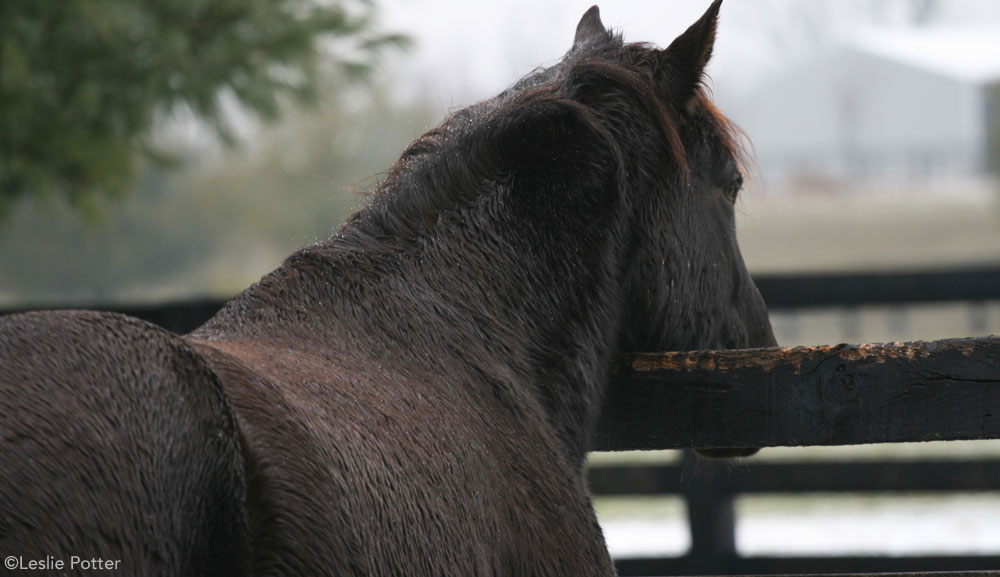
x=833, y=395
x=780, y=292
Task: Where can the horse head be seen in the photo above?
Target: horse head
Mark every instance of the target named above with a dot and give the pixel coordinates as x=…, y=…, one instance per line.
x=686, y=286
x=586, y=211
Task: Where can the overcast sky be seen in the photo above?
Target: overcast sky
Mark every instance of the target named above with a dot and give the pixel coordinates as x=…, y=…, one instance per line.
x=466, y=51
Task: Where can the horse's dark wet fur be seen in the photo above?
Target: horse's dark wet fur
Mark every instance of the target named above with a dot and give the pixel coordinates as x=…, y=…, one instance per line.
x=415, y=395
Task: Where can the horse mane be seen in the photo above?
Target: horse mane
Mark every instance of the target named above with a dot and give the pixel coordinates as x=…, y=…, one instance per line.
x=453, y=164
x=600, y=91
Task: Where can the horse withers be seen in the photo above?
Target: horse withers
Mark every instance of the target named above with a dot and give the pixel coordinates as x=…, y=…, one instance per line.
x=415, y=395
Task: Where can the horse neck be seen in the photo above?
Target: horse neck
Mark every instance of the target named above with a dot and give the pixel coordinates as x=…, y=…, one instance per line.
x=521, y=295
x=517, y=297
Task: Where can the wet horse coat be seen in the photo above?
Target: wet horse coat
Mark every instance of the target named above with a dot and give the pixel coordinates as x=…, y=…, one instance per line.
x=416, y=394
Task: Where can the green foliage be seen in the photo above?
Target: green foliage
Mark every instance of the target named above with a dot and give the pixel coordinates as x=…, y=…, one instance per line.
x=216, y=227
x=308, y=173
x=82, y=82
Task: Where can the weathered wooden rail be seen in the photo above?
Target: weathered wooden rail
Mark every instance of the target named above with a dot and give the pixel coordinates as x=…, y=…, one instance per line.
x=829, y=395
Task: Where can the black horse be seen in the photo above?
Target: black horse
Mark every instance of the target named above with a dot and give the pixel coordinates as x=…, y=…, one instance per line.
x=415, y=395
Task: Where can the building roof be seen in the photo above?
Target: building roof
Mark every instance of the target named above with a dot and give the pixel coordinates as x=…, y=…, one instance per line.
x=971, y=54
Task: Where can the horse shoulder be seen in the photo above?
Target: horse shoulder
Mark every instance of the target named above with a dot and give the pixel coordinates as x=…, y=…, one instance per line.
x=358, y=469
x=297, y=504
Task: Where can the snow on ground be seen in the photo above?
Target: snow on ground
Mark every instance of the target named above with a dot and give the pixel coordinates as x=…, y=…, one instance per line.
x=647, y=538
x=849, y=525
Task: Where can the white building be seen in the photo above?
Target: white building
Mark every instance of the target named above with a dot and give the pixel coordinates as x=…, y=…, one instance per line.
x=910, y=104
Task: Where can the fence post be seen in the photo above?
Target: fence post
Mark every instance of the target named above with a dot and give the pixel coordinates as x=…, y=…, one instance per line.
x=712, y=522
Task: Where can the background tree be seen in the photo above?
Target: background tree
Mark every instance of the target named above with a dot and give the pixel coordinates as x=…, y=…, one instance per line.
x=214, y=226
x=83, y=82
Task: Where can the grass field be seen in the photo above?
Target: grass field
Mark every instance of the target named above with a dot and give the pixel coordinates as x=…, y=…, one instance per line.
x=881, y=228
x=870, y=228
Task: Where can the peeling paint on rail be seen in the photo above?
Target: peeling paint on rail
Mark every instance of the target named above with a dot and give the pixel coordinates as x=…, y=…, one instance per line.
x=769, y=360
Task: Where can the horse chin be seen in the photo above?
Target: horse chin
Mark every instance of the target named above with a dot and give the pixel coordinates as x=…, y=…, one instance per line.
x=727, y=452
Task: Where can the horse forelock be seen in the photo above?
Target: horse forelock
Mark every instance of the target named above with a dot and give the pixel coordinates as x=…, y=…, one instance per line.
x=629, y=70
x=733, y=139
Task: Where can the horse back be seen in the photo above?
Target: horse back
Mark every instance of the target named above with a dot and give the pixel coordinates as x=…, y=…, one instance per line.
x=117, y=443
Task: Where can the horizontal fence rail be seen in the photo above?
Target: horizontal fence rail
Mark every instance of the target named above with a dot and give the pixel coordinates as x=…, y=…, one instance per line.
x=875, y=288
x=916, y=476
x=780, y=291
x=825, y=395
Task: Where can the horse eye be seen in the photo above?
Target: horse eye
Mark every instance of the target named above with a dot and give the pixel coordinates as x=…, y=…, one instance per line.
x=734, y=187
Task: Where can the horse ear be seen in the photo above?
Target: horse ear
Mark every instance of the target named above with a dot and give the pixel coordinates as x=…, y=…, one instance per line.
x=590, y=30
x=682, y=64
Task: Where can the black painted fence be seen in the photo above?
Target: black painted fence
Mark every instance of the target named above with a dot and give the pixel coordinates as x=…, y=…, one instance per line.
x=709, y=502
x=829, y=395
x=879, y=288
x=780, y=291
